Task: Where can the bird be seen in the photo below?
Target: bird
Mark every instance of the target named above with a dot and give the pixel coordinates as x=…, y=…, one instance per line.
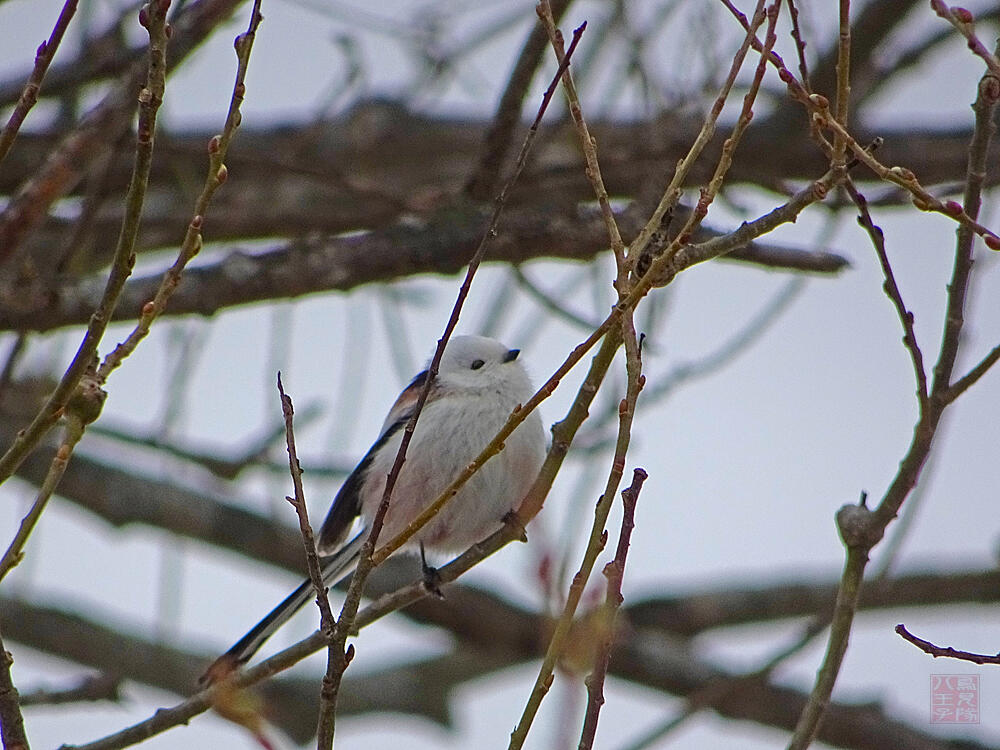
x=479, y=383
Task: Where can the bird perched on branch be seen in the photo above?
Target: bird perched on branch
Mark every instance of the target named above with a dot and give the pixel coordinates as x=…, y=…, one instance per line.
x=478, y=385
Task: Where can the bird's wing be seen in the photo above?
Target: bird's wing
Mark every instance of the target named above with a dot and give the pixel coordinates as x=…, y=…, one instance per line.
x=346, y=505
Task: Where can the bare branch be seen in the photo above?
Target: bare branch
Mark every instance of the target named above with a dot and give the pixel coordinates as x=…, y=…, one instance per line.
x=442, y=245
x=327, y=620
x=98, y=687
x=615, y=573
x=892, y=289
x=29, y=95
x=153, y=17
x=11, y=722
x=936, y=651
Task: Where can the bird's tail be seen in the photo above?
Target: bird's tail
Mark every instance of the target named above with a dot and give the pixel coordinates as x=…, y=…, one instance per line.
x=334, y=568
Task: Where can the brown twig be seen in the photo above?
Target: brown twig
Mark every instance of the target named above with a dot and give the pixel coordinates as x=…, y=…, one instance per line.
x=946, y=651
x=627, y=410
x=800, y=45
x=598, y=534
x=150, y=98
x=985, y=127
x=587, y=142
x=672, y=194
x=327, y=620
x=660, y=267
x=843, y=81
x=82, y=410
x=218, y=147
x=903, y=177
x=963, y=384
x=891, y=289
x=964, y=22
x=29, y=96
x=818, y=108
x=93, y=688
x=614, y=571
x=12, y=731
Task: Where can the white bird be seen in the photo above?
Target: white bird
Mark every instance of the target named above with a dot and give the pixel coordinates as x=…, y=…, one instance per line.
x=479, y=383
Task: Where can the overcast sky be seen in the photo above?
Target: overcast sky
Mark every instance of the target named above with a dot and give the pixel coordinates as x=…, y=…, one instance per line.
x=747, y=466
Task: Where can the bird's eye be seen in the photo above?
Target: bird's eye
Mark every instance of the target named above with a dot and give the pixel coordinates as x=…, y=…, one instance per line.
x=476, y=364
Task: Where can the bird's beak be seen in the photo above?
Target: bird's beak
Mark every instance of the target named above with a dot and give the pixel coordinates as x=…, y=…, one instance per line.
x=511, y=355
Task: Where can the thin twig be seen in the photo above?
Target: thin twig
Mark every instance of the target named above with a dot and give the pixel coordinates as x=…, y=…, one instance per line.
x=963, y=20
x=627, y=334
x=904, y=178
x=29, y=96
x=587, y=142
x=946, y=651
x=12, y=731
x=83, y=409
x=891, y=289
x=598, y=535
x=673, y=192
x=615, y=572
x=983, y=131
x=302, y=511
x=800, y=45
x=843, y=81
x=860, y=528
x=963, y=384
x=218, y=147
x=154, y=17
x=818, y=108
x=327, y=620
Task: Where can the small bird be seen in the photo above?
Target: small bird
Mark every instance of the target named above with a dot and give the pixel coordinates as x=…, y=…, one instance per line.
x=478, y=385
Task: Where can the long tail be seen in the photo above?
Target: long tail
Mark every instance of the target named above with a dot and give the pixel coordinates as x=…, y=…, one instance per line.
x=335, y=567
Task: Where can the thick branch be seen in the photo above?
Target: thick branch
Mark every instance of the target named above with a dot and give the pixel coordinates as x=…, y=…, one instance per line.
x=644, y=658
x=441, y=244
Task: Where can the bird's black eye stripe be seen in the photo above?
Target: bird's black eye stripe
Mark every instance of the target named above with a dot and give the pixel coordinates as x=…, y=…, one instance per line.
x=476, y=364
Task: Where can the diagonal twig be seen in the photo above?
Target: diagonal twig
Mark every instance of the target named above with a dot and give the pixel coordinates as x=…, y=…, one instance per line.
x=615, y=572
x=498, y=140
x=29, y=95
x=327, y=620
x=891, y=288
x=12, y=732
x=945, y=651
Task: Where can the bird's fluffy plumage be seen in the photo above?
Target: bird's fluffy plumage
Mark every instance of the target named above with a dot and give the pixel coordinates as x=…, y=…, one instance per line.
x=478, y=385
